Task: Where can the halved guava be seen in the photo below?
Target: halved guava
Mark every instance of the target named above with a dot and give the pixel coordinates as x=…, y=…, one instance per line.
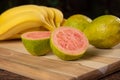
x=68, y=43
x=37, y=42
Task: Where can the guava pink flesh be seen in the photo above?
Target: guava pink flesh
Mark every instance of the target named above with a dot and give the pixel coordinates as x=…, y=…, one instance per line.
x=37, y=34
x=70, y=39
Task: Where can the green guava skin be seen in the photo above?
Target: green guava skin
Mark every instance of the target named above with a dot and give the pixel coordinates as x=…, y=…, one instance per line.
x=37, y=47
x=104, y=32
x=62, y=55
x=78, y=21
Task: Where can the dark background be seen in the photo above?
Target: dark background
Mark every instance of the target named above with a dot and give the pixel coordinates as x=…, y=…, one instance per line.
x=90, y=8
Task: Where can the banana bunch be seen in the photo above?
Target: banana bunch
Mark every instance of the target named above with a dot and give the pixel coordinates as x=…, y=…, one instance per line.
x=20, y=19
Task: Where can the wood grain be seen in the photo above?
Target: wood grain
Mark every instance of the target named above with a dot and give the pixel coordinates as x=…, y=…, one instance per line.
x=95, y=64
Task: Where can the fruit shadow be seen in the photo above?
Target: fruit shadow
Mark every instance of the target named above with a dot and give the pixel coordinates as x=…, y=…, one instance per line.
x=11, y=40
x=117, y=46
x=93, y=52
x=90, y=53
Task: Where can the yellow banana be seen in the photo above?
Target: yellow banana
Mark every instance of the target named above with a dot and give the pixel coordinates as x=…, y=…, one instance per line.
x=46, y=16
x=18, y=10
x=9, y=14
x=18, y=20
x=18, y=24
x=58, y=16
x=50, y=17
x=44, y=11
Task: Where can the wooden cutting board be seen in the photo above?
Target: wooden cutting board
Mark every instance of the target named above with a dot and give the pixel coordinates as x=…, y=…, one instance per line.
x=95, y=64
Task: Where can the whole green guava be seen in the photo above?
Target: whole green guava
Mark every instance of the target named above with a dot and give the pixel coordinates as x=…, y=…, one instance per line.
x=104, y=31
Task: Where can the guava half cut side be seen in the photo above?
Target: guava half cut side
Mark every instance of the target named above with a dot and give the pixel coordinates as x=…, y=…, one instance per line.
x=68, y=43
x=37, y=42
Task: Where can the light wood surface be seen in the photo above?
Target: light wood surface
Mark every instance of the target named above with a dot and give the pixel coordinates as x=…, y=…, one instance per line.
x=94, y=64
